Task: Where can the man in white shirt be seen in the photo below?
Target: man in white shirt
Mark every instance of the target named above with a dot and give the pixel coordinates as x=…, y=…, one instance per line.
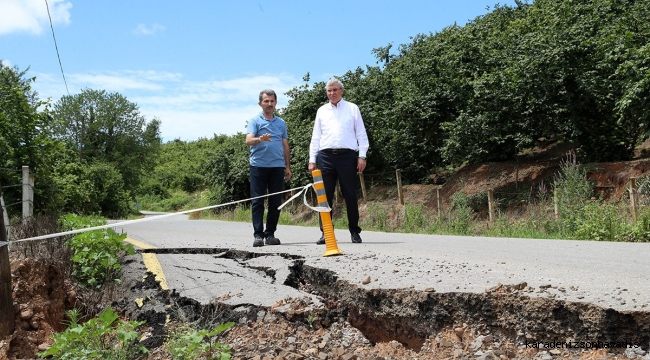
x=338, y=148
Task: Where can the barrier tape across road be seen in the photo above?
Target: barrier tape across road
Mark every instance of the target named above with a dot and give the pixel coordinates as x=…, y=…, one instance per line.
x=303, y=190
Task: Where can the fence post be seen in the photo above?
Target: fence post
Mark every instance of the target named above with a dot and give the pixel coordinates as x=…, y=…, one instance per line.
x=556, y=205
x=491, y=204
x=337, y=193
x=5, y=216
x=28, y=193
x=7, y=325
x=439, y=199
x=634, y=198
x=363, y=187
x=400, y=196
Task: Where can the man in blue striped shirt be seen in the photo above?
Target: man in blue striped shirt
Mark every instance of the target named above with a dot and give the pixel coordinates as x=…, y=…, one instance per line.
x=267, y=137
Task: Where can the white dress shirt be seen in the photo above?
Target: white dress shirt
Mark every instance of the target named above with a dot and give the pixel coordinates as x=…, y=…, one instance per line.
x=338, y=126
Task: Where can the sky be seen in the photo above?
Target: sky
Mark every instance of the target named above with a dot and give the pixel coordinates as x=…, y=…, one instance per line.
x=199, y=65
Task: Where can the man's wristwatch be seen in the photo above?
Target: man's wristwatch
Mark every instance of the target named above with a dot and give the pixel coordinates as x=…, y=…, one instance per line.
x=362, y=158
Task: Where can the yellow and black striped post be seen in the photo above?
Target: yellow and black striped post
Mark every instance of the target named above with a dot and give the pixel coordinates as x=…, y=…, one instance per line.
x=328, y=228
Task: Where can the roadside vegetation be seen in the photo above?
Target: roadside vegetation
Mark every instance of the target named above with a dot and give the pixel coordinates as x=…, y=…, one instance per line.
x=583, y=215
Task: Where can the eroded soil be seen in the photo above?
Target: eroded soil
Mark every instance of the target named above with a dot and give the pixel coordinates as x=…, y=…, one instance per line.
x=353, y=323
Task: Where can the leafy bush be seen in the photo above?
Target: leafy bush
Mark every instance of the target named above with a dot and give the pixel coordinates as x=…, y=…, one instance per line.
x=478, y=202
x=177, y=201
x=461, y=223
x=94, y=253
x=154, y=188
x=640, y=231
x=187, y=343
x=572, y=190
x=91, y=188
x=600, y=221
x=415, y=218
x=376, y=217
x=104, y=337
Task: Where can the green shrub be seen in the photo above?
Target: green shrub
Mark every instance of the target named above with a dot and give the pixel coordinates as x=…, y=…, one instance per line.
x=415, y=218
x=94, y=253
x=178, y=200
x=92, y=188
x=153, y=188
x=462, y=216
x=186, y=343
x=104, y=337
x=243, y=213
x=376, y=217
x=191, y=182
x=477, y=202
x=640, y=231
x=149, y=202
x=600, y=221
x=572, y=190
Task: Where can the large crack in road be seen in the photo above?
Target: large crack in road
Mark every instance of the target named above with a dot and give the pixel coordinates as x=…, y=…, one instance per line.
x=405, y=315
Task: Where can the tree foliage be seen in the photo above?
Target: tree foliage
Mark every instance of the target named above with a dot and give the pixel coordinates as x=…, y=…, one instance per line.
x=25, y=136
x=106, y=127
x=555, y=69
x=226, y=171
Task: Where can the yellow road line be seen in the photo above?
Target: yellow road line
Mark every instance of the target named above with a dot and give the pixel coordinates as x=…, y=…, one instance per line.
x=151, y=262
x=139, y=244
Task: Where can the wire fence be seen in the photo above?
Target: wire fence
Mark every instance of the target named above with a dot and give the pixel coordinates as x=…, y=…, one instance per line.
x=631, y=196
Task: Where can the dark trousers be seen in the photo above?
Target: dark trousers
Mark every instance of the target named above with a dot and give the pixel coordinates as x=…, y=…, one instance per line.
x=265, y=179
x=341, y=166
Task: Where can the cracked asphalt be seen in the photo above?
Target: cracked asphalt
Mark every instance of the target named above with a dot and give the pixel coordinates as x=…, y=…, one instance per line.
x=609, y=275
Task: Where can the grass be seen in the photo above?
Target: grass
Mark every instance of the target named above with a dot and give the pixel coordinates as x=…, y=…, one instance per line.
x=581, y=216
x=594, y=220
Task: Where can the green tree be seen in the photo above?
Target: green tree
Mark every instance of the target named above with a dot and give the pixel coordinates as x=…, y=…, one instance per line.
x=90, y=188
x=25, y=136
x=556, y=69
x=106, y=127
x=226, y=169
x=299, y=115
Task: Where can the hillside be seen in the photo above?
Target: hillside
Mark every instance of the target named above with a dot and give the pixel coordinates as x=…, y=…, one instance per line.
x=520, y=179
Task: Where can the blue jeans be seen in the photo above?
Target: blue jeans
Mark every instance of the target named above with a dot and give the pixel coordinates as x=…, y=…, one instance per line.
x=266, y=180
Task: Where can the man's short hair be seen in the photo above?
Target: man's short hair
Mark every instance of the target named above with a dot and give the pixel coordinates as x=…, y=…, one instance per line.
x=334, y=81
x=268, y=92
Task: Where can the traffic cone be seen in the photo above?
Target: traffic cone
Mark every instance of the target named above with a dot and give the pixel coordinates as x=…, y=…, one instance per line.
x=326, y=220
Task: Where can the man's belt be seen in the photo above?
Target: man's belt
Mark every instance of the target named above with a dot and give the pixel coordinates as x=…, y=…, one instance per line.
x=338, y=151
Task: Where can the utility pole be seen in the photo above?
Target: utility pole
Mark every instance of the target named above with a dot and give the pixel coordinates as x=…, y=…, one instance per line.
x=7, y=325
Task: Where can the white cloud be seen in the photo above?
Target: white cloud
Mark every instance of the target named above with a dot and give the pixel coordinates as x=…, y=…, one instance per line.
x=31, y=15
x=188, y=109
x=143, y=29
x=114, y=82
x=192, y=125
x=6, y=63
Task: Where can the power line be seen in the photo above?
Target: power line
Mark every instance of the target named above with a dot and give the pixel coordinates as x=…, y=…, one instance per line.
x=57, y=48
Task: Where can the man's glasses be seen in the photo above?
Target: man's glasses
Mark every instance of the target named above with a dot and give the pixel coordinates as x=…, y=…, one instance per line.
x=332, y=90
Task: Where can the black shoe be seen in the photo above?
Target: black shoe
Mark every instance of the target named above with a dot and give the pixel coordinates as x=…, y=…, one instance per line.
x=321, y=241
x=259, y=241
x=355, y=237
x=272, y=240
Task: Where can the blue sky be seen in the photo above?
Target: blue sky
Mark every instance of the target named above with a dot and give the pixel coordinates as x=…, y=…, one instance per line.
x=199, y=65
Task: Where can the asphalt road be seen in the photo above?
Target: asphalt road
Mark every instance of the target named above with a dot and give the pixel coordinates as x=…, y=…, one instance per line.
x=606, y=274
